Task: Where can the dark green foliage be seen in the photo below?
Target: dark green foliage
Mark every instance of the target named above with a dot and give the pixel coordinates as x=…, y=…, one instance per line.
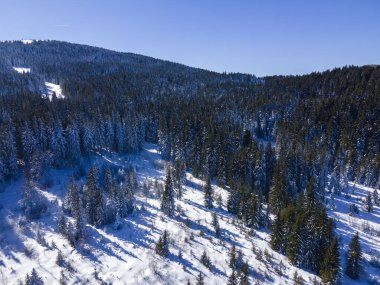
x=162, y=245
x=354, y=258
x=303, y=231
x=167, y=201
x=215, y=224
x=208, y=194
x=205, y=260
x=330, y=268
x=33, y=278
x=200, y=279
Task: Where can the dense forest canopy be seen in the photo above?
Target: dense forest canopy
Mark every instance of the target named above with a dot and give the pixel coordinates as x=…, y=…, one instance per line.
x=335, y=112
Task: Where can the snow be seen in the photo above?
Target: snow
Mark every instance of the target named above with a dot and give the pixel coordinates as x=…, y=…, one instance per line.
x=367, y=224
x=127, y=256
x=53, y=88
x=27, y=42
x=22, y=70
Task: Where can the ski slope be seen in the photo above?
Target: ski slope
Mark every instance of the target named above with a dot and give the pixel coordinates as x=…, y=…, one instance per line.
x=127, y=256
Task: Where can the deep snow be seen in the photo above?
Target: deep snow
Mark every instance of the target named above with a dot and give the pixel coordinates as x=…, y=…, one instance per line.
x=127, y=256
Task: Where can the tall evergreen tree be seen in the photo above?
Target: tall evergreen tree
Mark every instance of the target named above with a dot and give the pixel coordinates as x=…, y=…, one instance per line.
x=208, y=195
x=167, y=201
x=354, y=258
x=200, y=279
x=33, y=278
x=162, y=245
x=368, y=204
x=330, y=269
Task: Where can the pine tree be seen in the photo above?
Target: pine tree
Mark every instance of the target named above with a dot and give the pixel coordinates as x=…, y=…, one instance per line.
x=91, y=192
x=73, y=151
x=33, y=278
x=10, y=157
x=2, y=166
x=278, y=197
x=277, y=234
x=353, y=268
x=58, y=144
x=62, y=279
x=330, y=269
x=232, y=279
x=162, y=245
x=28, y=143
x=205, y=260
x=232, y=257
x=60, y=261
x=208, y=195
x=87, y=139
x=368, y=205
x=200, y=279
x=167, y=201
x=244, y=275
x=215, y=224
x=233, y=201
x=62, y=225
x=100, y=209
x=252, y=213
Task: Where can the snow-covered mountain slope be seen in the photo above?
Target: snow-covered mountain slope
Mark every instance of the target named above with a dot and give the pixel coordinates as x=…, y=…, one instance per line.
x=367, y=224
x=127, y=256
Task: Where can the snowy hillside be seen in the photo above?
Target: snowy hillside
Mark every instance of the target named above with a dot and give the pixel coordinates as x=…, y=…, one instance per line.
x=127, y=256
x=53, y=89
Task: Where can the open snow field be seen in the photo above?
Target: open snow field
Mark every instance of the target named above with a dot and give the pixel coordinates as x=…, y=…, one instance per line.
x=127, y=256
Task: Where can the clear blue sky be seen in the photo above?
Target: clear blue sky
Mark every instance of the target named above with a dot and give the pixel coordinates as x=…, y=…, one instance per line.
x=261, y=37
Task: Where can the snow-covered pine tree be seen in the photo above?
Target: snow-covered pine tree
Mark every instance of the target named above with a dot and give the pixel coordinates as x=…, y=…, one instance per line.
x=73, y=152
x=10, y=156
x=58, y=144
x=205, y=260
x=368, y=204
x=87, y=138
x=121, y=200
x=119, y=136
x=100, y=210
x=215, y=224
x=28, y=143
x=179, y=173
x=167, y=201
x=162, y=245
x=208, y=194
x=91, y=189
x=232, y=279
x=33, y=278
x=109, y=135
x=252, y=213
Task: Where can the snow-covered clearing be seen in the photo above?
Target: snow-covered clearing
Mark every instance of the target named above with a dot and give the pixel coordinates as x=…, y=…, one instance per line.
x=22, y=70
x=53, y=89
x=367, y=224
x=27, y=42
x=127, y=256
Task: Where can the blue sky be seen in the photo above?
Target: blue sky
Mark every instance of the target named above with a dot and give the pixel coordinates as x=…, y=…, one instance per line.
x=260, y=37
